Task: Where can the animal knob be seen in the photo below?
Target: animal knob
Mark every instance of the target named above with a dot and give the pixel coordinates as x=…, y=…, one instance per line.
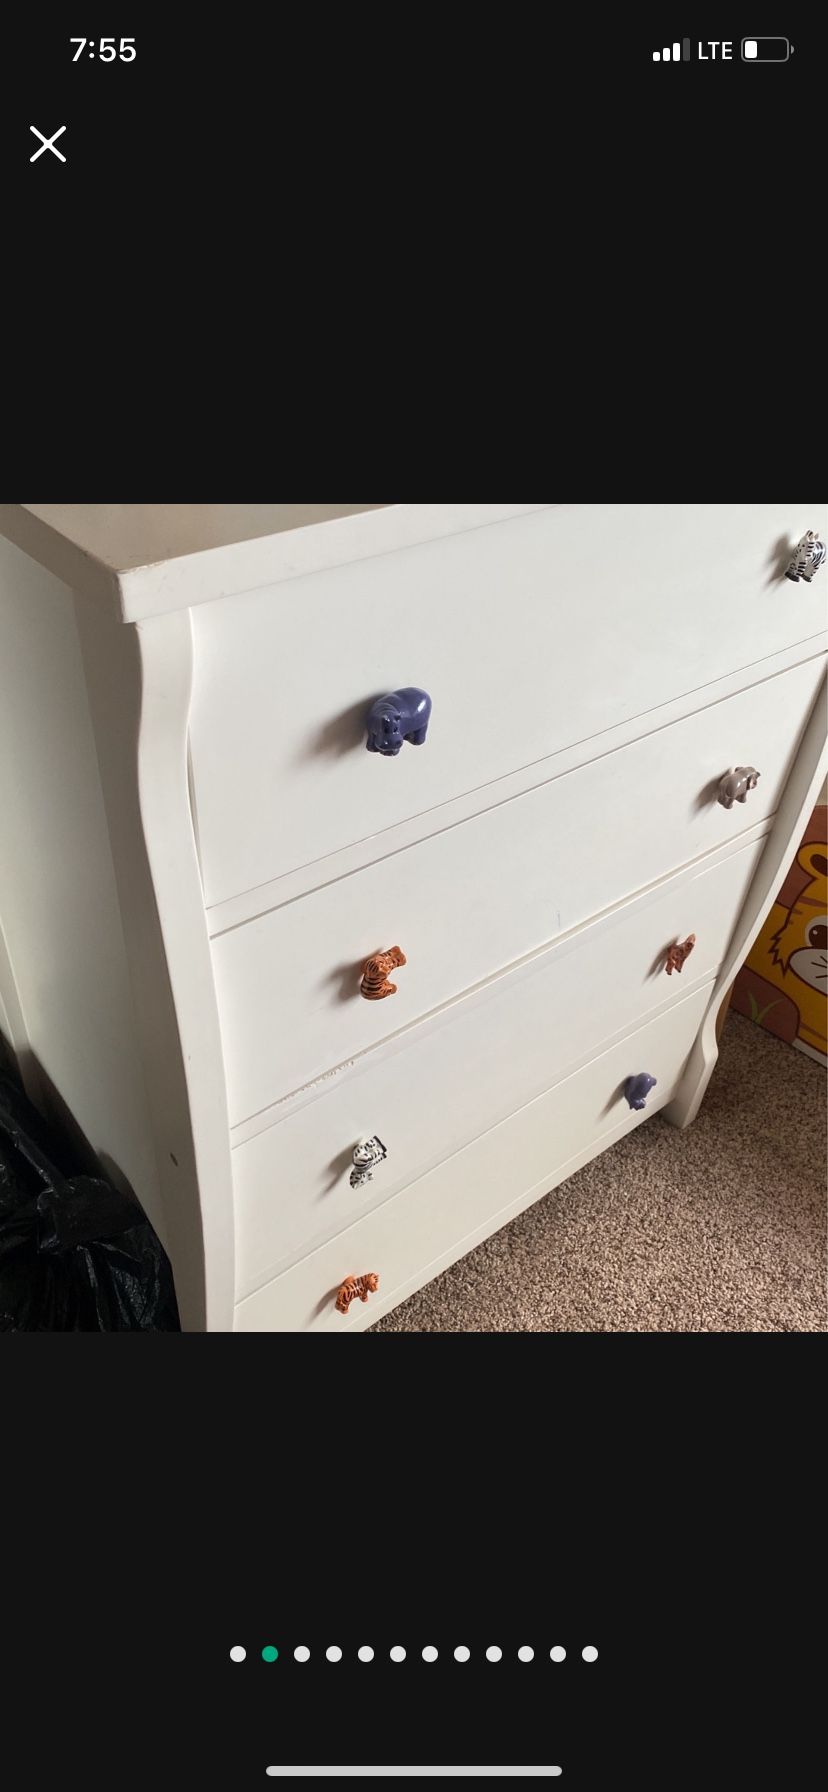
x=367, y=1154
x=375, y=982
x=402, y=715
x=736, y=784
x=677, y=954
x=808, y=558
x=637, y=1088
x=355, y=1288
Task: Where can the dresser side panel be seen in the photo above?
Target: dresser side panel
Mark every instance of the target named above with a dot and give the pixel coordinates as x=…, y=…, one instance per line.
x=139, y=680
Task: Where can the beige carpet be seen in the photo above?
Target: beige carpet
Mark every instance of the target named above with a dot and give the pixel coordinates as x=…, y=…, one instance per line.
x=720, y=1228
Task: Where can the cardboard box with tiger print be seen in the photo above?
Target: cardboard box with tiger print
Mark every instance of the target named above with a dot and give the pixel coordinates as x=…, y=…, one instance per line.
x=783, y=983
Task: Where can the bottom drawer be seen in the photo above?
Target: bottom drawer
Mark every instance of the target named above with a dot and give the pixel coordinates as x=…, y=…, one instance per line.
x=445, y=1213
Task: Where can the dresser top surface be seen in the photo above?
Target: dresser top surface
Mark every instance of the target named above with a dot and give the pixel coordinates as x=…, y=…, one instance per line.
x=124, y=536
x=144, y=559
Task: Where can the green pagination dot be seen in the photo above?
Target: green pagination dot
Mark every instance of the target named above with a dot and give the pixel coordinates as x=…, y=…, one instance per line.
x=270, y=1654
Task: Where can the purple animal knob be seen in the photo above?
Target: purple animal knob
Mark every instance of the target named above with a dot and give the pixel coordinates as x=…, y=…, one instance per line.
x=403, y=715
x=637, y=1088
x=736, y=784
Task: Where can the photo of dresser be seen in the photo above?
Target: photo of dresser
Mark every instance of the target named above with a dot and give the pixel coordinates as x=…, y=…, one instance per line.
x=368, y=869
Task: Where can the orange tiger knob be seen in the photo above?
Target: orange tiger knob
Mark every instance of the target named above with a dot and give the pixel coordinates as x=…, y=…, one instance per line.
x=677, y=954
x=355, y=1288
x=375, y=982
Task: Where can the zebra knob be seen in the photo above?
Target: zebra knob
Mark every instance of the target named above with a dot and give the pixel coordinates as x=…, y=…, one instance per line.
x=355, y=1288
x=402, y=715
x=637, y=1088
x=375, y=982
x=807, y=560
x=735, y=785
x=367, y=1154
x=677, y=954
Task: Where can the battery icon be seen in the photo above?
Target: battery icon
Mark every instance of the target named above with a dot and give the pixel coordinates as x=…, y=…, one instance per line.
x=765, y=49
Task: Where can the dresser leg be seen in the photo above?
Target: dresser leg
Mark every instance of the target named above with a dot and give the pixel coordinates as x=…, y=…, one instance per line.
x=699, y=1068
x=697, y=1073
x=721, y=1017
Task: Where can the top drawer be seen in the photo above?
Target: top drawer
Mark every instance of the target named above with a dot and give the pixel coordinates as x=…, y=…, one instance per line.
x=529, y=635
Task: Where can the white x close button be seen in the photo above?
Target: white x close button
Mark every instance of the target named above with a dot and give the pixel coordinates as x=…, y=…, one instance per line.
x=47, y=143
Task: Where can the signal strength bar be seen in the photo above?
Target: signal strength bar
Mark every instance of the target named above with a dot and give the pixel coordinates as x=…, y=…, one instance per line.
x=679, y=53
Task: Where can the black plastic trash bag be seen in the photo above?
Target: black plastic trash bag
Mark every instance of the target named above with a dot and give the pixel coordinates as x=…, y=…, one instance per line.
x=75, y=1254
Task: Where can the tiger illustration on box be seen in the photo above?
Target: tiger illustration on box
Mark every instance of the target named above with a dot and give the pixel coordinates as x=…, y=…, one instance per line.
x=791, y=950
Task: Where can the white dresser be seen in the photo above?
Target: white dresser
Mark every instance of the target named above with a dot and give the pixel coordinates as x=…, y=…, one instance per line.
x=560, y=830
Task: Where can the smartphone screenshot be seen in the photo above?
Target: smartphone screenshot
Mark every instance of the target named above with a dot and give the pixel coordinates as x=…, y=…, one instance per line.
x=374, y=883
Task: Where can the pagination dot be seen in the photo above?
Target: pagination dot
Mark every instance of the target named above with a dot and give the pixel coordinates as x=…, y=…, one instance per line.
x=589, y=1654
x=397, y=1653
x=301, y=1654
x=462, y=1653
x=238, y=1654
x=526, y=1654
x=557, y=1654
x=334, y=1654
x=269, y=1653
x=494, y=1654
x=365, y=1654
x=430, y=1653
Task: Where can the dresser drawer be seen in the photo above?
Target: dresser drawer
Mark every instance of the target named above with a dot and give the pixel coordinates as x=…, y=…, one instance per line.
x=468, y=902
x=448, y=1211
x=441, y=1084
x=645, y=602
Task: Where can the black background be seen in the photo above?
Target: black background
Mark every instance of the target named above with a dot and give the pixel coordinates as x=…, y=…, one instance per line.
x=176, y=1497
x=287, y=243
x=413, y=1712
x=262, y=100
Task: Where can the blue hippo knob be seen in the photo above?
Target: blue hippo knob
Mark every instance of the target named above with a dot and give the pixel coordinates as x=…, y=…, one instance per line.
x=637, y=1088
x=403, y=715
